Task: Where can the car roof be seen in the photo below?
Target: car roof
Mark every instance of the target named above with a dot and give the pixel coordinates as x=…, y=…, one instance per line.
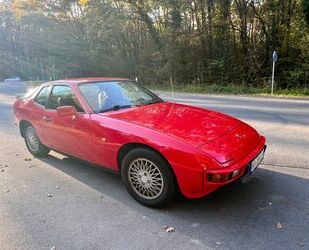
x=76, y=81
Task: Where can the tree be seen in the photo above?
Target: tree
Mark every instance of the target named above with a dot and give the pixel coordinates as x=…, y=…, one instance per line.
x=191, y=41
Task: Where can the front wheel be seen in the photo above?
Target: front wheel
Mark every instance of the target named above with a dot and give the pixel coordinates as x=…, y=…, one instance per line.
x=33, y=143
x=148, y=177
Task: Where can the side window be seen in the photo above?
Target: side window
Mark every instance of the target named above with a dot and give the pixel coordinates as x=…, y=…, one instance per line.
x=42, y=96
x=63, y=96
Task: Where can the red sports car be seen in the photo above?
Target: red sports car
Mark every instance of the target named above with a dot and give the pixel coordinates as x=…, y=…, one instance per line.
x=158, y=147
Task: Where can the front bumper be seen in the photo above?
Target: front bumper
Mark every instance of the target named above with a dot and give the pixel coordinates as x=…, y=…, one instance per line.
x=195, y=184
x=235, y=172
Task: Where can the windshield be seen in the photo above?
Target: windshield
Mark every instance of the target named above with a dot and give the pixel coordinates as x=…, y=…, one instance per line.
x=106, y=96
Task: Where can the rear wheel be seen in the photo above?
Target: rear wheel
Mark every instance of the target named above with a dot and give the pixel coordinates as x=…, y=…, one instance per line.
x=148, y=177
x=33, y=143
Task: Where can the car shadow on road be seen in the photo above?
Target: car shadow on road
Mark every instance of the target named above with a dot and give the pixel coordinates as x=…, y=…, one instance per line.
x=234, y=213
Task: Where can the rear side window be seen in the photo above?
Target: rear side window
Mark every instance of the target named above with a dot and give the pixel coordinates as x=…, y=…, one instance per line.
x=63, y=96
x=42, y=96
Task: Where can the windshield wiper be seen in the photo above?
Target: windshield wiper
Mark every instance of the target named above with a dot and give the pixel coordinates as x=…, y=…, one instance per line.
x=142, y=102
x=115, y=108
x=153, y=102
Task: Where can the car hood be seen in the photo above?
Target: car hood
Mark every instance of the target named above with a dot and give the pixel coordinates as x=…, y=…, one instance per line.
x=195, y=126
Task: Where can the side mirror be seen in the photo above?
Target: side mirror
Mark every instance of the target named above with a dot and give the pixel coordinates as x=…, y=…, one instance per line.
x=66, y=111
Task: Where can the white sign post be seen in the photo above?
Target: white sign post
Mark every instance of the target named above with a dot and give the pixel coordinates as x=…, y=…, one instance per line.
x=275, y=59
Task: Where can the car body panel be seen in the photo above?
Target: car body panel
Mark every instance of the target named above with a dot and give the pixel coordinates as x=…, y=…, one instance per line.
x=234, y=145
x=194, y=141
x=68, y=134
x=177, y=119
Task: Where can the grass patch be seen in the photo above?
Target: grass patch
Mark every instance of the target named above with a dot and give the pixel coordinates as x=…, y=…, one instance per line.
x=230, y=89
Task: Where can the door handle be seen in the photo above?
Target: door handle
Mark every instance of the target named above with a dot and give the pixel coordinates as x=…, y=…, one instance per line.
x=47, y=118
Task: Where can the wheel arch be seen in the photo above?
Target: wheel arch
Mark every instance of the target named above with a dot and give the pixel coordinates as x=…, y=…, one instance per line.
x=130, y=146
x=22, y=126
x=125, y=149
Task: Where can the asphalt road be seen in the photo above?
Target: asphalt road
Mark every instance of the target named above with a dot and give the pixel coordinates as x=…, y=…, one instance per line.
x=90, y=209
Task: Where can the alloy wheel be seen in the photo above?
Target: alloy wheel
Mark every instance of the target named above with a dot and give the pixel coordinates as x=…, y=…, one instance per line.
x=146, y=178
x=32, y=139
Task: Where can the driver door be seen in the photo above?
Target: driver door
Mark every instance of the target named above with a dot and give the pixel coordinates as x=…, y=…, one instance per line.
x=69, y=134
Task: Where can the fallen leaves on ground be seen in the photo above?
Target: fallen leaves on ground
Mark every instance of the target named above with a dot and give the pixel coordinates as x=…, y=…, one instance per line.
x=279, y=226
x=169, y=229
x=3, y=166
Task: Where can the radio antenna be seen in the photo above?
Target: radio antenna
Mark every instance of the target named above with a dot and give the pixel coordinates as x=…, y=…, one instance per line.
x=172, y=87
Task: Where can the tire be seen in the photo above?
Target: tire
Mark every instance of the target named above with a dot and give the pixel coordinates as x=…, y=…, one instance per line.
x=148, y=177
x=33, y=142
